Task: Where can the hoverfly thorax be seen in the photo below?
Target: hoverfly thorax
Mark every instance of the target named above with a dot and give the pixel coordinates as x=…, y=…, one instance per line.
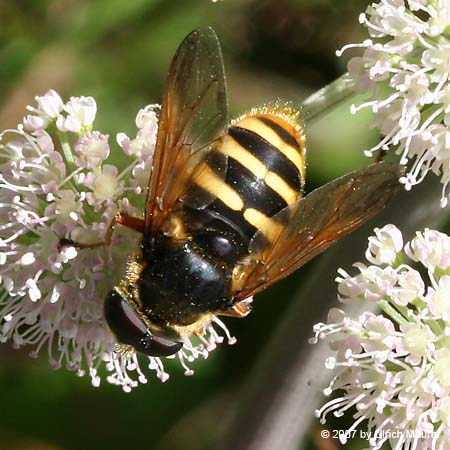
x=178, y=298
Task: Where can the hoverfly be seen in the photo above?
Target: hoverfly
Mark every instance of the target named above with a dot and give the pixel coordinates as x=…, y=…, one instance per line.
x=224, y=214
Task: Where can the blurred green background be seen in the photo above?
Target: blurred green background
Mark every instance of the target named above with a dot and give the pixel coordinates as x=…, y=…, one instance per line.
x=118, y=51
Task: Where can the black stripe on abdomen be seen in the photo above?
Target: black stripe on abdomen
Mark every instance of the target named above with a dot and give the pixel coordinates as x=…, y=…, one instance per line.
x=284, y=135
x=269, y=155
x=255, y=194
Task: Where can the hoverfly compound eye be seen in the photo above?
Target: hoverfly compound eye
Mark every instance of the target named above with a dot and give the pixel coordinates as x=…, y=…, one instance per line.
x=158, y=346
x=129, y=328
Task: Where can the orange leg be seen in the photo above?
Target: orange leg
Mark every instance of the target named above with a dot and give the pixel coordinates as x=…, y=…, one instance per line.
x=134, y=223
x=240, y=309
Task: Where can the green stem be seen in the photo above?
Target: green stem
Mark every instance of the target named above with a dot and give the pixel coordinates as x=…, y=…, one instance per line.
x=324, y=100
x=435, y=327
x=89, y=214
x=67, y=151
x=390, y=311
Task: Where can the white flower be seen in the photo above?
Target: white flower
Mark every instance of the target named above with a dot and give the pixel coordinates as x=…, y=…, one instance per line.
x=405, y=67
x=392, y=370
x=373, y=283
x=145, y=140
x=55, y=184
x=80, y=114
x=104, y=183
x=92, y=148
x=50, y=104
x=431, y=248
x=438, y=297
x=384, y=246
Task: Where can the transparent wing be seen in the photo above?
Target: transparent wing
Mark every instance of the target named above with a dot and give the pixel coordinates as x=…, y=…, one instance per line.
x=317, y=221
x=193, y=115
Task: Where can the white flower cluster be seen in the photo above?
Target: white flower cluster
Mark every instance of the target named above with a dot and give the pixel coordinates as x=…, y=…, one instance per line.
x=406, y=68
x=393, y=369
x=55, y=183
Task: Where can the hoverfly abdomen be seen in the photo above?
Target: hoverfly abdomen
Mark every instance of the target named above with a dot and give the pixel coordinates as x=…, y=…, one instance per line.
x=282, y=130
x=265, y=171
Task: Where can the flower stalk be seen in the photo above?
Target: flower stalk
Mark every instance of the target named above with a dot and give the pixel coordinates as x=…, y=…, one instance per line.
x=324, y=100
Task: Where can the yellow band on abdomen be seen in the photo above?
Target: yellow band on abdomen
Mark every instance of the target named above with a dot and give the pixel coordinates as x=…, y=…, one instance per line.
x=208, y=180
x=268, y=227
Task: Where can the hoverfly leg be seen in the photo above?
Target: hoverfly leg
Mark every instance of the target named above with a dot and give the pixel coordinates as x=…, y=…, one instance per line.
x=380, y=155
x=135, y=223
x=240, y=309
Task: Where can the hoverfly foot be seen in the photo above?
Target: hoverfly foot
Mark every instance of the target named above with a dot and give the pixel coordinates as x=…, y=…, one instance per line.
x=64, y=243
x=380, y=155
